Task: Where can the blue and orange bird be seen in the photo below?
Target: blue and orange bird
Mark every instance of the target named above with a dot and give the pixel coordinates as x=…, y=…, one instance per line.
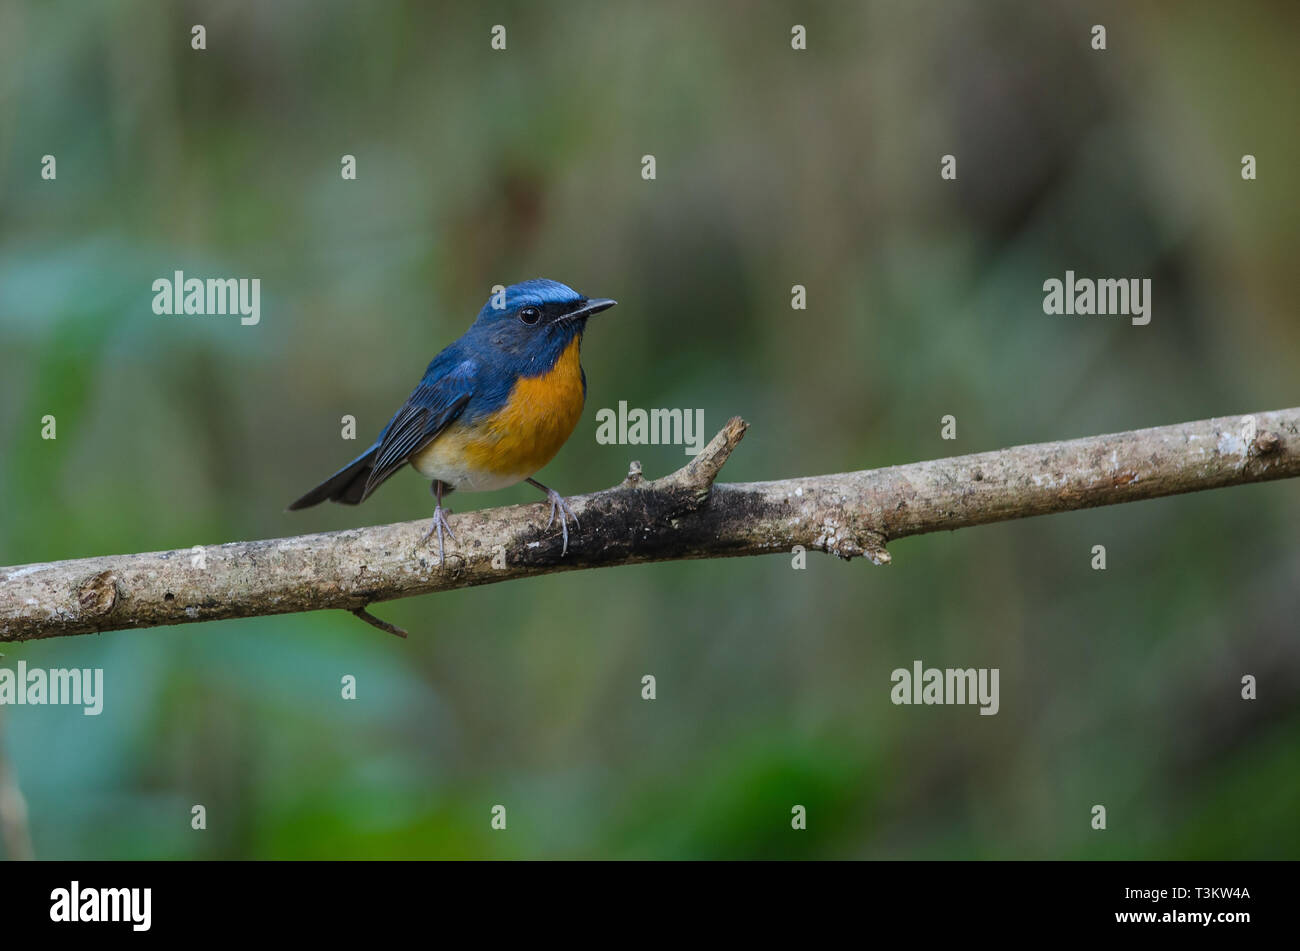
x=491, y=409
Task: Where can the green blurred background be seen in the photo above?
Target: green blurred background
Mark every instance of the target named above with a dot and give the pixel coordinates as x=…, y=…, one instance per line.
x=775, y=167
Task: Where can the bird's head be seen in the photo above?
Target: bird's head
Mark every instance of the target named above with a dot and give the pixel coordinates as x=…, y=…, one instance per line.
x=537, y=318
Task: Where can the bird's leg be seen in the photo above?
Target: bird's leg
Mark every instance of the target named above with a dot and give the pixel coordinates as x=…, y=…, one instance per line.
x=562, y=507
x=439, y=520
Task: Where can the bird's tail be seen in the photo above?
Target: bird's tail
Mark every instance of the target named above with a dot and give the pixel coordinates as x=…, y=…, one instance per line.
x=348, y=485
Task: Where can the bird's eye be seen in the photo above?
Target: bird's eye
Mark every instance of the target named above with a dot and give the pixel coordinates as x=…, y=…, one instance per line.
x=530, y=315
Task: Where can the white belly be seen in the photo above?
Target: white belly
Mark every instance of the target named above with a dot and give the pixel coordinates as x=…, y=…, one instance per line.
x=445, y=459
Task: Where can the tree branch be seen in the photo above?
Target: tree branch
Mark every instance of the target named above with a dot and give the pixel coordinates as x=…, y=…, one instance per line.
x=683, y=515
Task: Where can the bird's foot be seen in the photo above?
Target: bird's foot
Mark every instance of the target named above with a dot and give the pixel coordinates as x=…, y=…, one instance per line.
x=439, y=526
x=561, y=507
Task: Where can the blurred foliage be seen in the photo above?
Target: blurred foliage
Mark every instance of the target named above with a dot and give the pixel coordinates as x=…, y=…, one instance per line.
x=774, y=168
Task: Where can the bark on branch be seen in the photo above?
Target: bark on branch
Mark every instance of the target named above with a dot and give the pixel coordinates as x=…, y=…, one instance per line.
x=682, y=515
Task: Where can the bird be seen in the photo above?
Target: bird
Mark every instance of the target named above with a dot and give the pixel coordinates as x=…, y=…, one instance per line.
x=491, y=410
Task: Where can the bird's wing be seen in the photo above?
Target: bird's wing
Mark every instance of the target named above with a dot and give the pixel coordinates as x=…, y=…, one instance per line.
x=433, y=406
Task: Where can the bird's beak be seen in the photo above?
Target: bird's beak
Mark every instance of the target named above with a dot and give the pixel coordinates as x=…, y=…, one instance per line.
x=592, y=306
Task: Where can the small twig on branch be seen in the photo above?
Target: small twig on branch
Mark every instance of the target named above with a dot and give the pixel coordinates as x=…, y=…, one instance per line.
x=682, y=515
x=378, y=622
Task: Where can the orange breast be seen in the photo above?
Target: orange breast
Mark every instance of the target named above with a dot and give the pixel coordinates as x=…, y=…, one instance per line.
x=518, y=439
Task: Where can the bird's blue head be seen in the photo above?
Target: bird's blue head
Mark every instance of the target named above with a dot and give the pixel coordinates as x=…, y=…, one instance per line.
x=533, y=322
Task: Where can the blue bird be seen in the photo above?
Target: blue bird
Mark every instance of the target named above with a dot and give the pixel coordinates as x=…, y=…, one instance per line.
x=492, y=409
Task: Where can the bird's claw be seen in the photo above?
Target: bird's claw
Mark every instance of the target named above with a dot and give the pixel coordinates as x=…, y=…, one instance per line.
x=439, y=526
x=558, y=505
